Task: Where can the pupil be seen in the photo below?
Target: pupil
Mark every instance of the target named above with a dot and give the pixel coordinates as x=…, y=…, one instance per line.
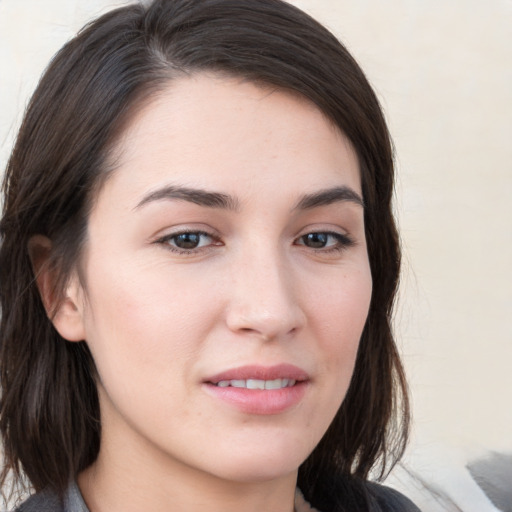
x=187, y=240
x=316, y=240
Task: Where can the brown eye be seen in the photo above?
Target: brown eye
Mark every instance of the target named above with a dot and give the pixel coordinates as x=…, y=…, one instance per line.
x=315, y=240
x=187, y=240
x=325, y=240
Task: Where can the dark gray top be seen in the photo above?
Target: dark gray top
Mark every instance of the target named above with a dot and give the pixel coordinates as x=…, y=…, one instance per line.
x=49, y=502
x=388, y=499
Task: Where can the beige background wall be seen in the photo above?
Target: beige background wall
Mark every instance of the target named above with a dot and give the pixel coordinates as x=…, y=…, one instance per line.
x=443, y=72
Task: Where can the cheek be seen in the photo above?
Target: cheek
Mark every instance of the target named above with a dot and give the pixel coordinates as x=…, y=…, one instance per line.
x=143, y=340
x=338, y=316
x=141, y=325
x=341, y=306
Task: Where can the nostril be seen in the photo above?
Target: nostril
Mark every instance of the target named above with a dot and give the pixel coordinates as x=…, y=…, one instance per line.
x=257, y=333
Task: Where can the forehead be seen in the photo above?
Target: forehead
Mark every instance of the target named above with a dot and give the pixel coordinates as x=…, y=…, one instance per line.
x=212, y=131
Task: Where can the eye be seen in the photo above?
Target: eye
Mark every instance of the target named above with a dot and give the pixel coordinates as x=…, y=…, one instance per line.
x=188, y=241
x=325, y=240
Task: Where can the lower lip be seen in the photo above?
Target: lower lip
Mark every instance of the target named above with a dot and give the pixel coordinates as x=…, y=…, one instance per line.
x=260, y=401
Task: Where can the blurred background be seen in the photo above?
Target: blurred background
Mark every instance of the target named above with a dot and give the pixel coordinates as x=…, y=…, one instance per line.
x=443, y=73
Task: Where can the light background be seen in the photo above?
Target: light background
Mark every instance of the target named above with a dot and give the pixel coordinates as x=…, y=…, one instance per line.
x=442, y=70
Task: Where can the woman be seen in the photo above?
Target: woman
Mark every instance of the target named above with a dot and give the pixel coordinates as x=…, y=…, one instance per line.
x=198, y=266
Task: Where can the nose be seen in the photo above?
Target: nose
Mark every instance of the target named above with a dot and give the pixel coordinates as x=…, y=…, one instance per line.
x=264, y=299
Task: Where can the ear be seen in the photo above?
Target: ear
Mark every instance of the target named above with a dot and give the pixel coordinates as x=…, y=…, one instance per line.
x=65, y=311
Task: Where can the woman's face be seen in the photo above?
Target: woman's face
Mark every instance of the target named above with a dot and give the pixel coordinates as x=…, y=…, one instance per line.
x=226, y=252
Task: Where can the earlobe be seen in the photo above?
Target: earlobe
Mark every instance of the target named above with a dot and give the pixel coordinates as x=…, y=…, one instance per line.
x=64, y=310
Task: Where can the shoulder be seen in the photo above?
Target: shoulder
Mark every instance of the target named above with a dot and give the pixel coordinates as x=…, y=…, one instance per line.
x=390, y=500
x=364, y=497
x=48, y=501
x=45, y=501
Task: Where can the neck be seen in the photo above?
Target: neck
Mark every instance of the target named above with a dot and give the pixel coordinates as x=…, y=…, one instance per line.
x=104, y=491
x=141, y=478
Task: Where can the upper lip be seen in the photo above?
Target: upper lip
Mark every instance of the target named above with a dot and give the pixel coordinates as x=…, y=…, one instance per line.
x=279, y=371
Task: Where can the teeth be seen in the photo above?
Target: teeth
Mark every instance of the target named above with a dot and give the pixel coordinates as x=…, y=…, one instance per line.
x=257, y=383
x=276, y=384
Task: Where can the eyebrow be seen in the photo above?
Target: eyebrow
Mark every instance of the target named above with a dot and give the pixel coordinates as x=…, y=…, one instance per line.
x=224, y=201
x=192, y=195
x=329, y=196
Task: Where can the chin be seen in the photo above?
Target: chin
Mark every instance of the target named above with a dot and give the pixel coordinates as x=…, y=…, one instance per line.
x=262, y=464
x=251, y=473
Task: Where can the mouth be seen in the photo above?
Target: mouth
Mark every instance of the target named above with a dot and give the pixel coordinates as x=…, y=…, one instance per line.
x=256, y=383
x=260, y=377
x=258, y=389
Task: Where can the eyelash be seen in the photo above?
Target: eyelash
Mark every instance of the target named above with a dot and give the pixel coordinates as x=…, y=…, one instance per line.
x=342, y=242
x=167, y=239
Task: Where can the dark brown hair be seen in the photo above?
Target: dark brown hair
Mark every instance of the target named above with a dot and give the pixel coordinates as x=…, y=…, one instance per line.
x=50, y=418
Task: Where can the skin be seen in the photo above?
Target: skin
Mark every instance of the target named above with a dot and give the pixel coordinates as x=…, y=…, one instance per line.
x=159, y=321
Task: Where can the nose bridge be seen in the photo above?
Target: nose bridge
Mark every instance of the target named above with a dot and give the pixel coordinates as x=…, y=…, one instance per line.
x=263, y=299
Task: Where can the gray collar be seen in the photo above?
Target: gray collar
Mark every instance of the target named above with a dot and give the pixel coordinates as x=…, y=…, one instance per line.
x=73, y=500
